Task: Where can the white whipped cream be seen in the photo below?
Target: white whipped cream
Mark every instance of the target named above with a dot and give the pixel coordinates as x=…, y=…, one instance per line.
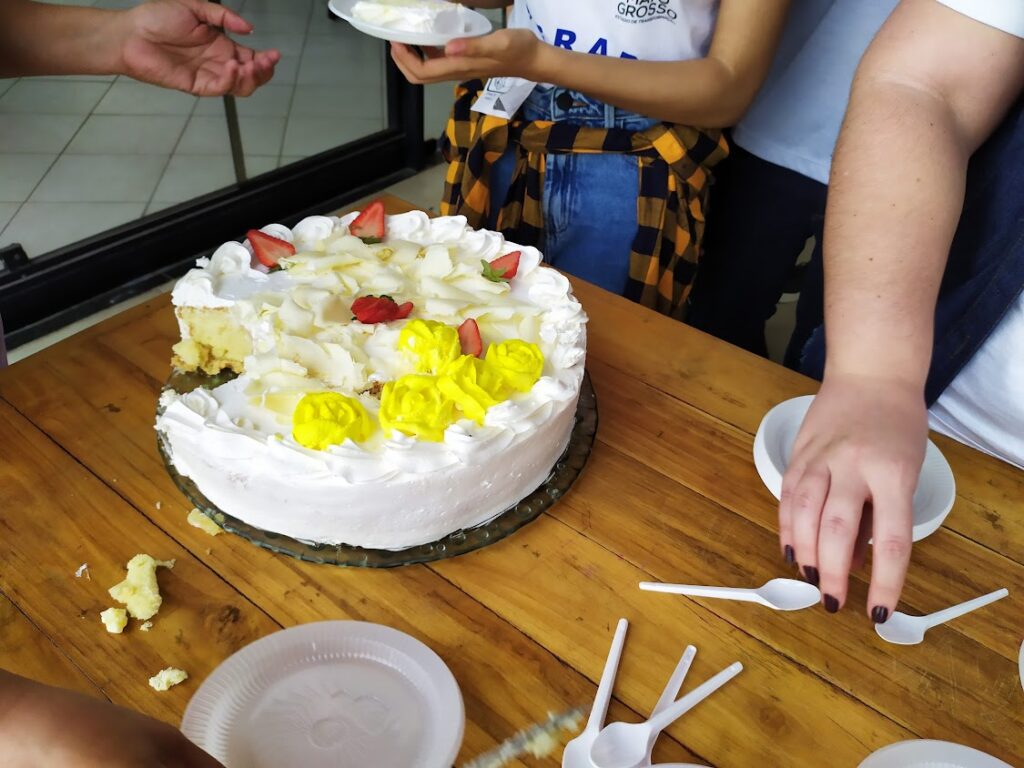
x=435, y=16
x=390, y=492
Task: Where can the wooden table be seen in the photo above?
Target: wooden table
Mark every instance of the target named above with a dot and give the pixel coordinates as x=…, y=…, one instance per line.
x=670, y=494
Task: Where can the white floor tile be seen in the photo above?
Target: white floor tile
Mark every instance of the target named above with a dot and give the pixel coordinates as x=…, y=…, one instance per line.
x=128, y=135
x=269, y=101
x=43, y=227
x=278, y=6
x=72, y=78
x=423, y=190
x=209, y=136
x=309, y=135
x=130, y=98
x=189, y=176
x=37, y=133
x=51, y=97
x=438, y=99
x=352, y=47
x=264, y=22
x=7, y=211
x=286, y=71
x=6, y=84
x=366, y=100
x=321, y=26
x=337, y=67
x=19, y=175
x=101, y=178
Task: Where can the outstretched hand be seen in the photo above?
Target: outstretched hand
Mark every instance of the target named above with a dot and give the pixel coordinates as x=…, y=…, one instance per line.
x=182, y=44
x=852, y=476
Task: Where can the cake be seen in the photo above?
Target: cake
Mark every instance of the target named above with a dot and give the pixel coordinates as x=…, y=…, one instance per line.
x=436, y=16
x=396, y=379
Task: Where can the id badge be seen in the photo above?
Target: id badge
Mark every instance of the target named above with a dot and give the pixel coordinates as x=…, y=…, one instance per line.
x=503, y=96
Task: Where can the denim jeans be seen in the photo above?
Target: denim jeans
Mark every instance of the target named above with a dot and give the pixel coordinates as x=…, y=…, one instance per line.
x=589, y=200
x=985, y=270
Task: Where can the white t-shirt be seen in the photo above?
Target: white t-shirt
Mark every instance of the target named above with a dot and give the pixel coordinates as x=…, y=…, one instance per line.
x=984, y=405
x=652, y=30
x=794, y=121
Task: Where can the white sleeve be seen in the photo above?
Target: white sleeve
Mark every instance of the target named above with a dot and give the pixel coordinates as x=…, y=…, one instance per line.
x=1007, y=15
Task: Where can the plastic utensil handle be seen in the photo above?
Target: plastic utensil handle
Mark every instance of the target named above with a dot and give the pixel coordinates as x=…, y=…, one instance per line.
x=664, y=719
x=692, y=590
x=941, y=617
x=676, y=681
x=604, y=688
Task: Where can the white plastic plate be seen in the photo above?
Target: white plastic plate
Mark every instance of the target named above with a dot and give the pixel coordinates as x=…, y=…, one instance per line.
x=773, y=447
x=930, y=754
x=337, y=694
x=476, y=24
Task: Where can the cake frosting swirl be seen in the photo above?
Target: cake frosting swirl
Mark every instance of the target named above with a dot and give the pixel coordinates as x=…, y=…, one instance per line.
x=291, y=337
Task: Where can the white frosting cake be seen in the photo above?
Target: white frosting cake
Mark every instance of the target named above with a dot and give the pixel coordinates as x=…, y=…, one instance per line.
x=434, y=439
x=436, y=16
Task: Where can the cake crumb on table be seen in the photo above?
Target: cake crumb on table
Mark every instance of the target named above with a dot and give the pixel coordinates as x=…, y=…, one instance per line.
x=146, y=626
x=158, y=506
x=83, y=570
x=167, y=678
x=198, y=520
x=115, y=620
x=140, y=592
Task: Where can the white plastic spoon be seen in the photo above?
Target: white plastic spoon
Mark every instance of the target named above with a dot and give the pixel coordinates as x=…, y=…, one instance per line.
x=780, y=594
x=909, y=630
x=624, y=745
x=577, y=751
x=675, y=682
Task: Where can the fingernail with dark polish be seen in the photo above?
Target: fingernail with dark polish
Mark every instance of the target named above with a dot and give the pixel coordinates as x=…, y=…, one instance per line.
x=879, y=614
x=811, y=574
x=790, y=555
x=831, y=604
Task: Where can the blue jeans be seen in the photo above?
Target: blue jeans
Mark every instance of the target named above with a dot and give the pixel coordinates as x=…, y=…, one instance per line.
x=985, y=270
x=589, y=200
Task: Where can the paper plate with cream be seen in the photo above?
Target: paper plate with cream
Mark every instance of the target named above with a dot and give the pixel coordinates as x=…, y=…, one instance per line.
x=413, y=22
x=332, y=694
x=923, y=753
x=773, y=448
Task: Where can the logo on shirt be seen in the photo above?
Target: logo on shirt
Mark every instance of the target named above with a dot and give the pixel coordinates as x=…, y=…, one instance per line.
x=643, y=11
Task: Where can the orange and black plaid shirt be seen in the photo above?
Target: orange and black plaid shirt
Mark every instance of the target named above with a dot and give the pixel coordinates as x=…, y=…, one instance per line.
x=673, y=162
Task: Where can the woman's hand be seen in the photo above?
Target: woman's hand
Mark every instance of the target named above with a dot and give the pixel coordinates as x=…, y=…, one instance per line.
x=505, y=53
x=852, y=477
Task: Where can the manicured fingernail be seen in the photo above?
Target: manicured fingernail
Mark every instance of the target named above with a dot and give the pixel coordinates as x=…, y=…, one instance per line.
x=879, y=614
x=790, y=555
x=831, y=604
x=811, y=574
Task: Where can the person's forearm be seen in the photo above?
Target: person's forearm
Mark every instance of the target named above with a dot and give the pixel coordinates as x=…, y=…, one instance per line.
x=888, y=229
x=702, y=92
x=42, y=39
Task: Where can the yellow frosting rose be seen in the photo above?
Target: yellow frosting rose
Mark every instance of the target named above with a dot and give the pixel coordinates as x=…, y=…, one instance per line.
x=518, y=363
x=322, y=419
x=469, y=384
x=433, y=344
x=415, y=406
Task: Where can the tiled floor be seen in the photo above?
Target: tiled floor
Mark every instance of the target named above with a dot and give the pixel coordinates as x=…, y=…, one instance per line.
x=81, y=154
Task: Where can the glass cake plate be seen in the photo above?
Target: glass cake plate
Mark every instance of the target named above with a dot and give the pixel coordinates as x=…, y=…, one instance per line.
x=562, y=476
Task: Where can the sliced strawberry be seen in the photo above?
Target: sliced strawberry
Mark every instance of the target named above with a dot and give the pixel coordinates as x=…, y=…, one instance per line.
x=469, y=335
x=379, y=309
x=502, y=268
x=369, y=225
x=269, y=249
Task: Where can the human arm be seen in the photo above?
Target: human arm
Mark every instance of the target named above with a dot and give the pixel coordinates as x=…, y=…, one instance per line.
x=712, y=91
x=40, y=725
x=932, y=86
x=173, y=43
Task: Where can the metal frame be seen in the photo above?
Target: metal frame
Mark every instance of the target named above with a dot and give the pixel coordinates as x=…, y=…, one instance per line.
x=51, y=290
